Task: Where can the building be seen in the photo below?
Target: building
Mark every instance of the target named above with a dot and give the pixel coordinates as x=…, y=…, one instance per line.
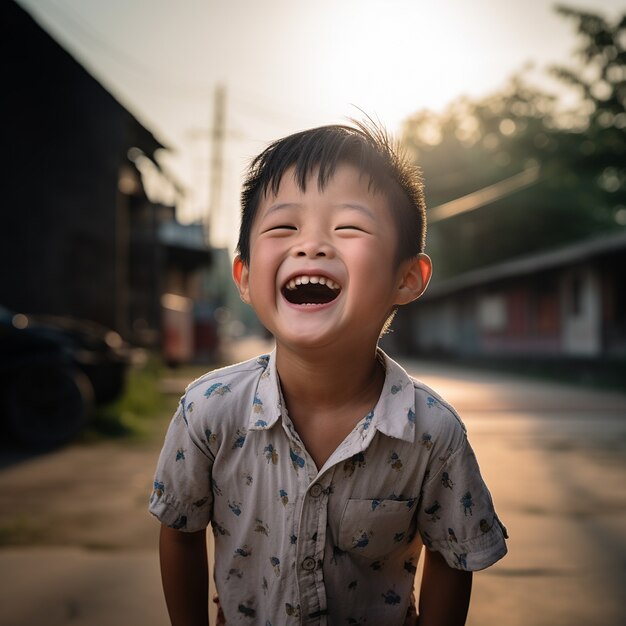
x=79, y=236
x=567, y=303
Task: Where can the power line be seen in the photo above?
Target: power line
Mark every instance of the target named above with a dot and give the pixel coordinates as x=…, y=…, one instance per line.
x=486, y=195
x=78, y=29
x=268, y=114
x=80, y=32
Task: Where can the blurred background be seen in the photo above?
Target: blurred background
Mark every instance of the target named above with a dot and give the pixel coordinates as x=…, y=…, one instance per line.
x=127, y=129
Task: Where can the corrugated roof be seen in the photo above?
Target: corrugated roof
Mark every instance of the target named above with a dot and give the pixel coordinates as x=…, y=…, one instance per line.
x=574, y=253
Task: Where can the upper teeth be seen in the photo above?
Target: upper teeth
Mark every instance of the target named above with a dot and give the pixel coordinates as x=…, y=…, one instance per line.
x=314, y=280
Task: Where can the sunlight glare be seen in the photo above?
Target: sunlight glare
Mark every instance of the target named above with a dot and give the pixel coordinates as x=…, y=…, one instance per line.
x=388, y=57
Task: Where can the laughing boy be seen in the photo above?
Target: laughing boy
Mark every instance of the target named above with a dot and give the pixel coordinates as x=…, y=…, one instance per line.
x=323, y=467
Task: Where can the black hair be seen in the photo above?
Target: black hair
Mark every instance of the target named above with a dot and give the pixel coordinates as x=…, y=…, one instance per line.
x=366, y=146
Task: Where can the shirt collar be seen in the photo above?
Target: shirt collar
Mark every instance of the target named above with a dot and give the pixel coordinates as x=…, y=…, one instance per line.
x=393, y=415
x=266, y=404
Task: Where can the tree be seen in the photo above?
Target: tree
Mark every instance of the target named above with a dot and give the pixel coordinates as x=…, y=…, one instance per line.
x=578, y=150
x=601, y=83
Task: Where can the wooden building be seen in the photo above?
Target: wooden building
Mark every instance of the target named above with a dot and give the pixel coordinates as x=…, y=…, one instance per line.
x=79, y=236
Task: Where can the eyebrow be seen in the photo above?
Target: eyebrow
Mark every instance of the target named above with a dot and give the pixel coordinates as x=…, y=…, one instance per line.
x=344, y=205
x=362, y=208
x=282, y=205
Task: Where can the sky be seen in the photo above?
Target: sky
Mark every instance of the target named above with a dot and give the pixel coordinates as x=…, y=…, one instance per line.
x=287, y=65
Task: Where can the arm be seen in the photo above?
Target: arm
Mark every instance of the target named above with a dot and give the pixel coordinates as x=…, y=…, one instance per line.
x=444, y=593
x=185, y=576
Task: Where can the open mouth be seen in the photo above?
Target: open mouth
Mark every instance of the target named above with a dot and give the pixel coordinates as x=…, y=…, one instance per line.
x=311, y=290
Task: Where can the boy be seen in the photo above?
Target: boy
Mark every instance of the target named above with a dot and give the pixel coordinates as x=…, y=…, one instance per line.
x=323, y=467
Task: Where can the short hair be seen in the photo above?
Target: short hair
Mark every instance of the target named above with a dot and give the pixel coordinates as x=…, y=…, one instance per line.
x=366, y=146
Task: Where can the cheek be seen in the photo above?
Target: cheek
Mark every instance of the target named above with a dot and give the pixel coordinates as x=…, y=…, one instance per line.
x=262, y=273
x=374, y=261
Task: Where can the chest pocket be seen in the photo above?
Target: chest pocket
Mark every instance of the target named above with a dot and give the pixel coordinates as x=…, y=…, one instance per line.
x=374, y=528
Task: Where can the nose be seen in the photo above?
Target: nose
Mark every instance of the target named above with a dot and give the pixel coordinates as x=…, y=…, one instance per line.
x=312, y=252
x=313, y=245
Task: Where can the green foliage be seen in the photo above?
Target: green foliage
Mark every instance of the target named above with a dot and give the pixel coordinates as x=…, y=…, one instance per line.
x=21, y=531
x=580, y=151
x=133, y=415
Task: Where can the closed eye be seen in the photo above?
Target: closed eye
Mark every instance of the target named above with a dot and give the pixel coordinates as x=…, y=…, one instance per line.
x=281, y=227
x=351, y=227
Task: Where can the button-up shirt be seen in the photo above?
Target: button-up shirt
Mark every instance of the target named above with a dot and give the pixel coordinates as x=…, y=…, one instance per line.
x=338, y=545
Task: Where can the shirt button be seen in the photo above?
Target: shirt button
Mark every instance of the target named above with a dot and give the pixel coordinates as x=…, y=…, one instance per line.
x=308, y=564
x=316, y=490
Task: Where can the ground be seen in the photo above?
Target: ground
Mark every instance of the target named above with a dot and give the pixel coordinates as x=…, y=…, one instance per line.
x=79, y=548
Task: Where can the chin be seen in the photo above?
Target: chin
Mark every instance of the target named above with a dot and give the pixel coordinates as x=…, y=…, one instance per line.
x=306, y=340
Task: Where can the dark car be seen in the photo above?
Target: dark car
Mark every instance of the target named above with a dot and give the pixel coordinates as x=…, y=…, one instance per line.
x=53, y=370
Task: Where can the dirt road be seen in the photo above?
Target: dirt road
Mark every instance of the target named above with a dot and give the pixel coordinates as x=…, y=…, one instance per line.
x=80, y=549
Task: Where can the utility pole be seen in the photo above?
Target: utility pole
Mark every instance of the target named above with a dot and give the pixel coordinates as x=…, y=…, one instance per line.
x=218, y=133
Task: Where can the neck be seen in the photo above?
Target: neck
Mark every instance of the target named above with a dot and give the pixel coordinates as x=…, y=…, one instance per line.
x=322, y=379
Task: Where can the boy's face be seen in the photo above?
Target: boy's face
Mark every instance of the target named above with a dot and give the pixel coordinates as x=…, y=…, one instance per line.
x=322, y=265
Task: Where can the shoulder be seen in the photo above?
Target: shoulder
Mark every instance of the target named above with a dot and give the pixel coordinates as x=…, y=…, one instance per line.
x=227, y=383
x=429, y=418
x=437, y=421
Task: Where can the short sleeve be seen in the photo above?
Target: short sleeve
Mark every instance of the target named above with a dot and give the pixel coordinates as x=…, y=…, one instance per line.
x=182, y=497
x=457, y=516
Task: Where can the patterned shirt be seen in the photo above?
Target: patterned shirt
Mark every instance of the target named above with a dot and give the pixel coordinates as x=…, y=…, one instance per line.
x=294, y=545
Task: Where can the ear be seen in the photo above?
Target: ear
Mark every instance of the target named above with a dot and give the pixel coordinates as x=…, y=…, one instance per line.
x=240, y=276
x=415, y=276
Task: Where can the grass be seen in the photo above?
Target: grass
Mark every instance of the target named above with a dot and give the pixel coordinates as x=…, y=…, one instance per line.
x=20, y=532
x=134, y=414
x=143, y=409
